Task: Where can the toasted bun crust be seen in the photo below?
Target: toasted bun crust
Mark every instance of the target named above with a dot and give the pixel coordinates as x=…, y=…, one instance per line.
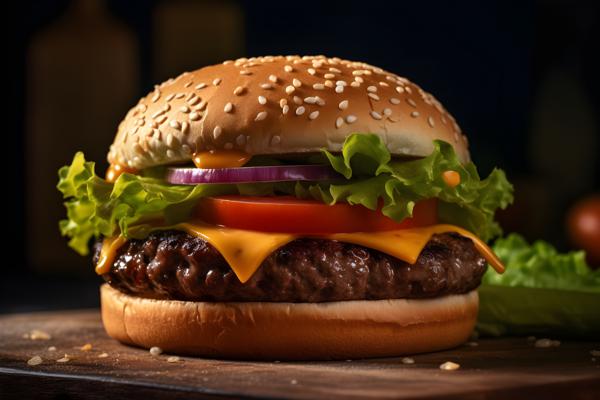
x=290, y=331
x=280, y=105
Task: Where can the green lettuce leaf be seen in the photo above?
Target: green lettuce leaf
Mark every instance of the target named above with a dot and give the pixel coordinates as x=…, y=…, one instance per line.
x=96, y=208
x=542, y=292
x=540, y=265
x=375, y=176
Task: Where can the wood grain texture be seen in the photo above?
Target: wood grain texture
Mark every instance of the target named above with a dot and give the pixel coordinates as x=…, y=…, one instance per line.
x=495, y=369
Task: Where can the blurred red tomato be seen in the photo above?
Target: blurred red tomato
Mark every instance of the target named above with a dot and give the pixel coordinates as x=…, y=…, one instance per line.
x=583, y=225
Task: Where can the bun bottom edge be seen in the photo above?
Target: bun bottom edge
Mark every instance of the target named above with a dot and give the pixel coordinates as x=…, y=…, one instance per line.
x=290, y=331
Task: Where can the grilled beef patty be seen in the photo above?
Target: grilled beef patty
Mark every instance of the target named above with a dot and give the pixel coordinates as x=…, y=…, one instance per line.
x=175, y=265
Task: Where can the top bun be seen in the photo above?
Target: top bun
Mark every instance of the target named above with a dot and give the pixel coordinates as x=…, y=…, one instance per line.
x=281, y=105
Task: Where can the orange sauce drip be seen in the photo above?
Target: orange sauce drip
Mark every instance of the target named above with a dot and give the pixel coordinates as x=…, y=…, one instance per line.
x=220, y=159
x=115, y=170
x=451, y=178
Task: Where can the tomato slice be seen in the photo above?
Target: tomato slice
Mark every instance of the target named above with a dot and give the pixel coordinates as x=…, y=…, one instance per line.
x=291, y=215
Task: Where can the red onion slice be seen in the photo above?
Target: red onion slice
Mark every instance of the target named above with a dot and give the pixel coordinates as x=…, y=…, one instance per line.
x=278, y=173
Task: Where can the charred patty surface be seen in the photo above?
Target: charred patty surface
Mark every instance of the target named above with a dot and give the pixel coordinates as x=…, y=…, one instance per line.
x=177, y=266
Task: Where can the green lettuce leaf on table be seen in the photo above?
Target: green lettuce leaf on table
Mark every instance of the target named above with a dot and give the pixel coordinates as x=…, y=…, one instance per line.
x=542, y=292
x=368, y=176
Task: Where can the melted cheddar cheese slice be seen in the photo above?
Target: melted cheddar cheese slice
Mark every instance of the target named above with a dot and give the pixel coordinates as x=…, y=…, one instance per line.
x=245, y=250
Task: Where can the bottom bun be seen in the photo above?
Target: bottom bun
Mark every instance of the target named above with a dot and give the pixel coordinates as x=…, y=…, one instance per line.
x=290, y=331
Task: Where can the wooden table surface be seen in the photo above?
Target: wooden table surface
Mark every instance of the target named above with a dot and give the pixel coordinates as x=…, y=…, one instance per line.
x=494, y=369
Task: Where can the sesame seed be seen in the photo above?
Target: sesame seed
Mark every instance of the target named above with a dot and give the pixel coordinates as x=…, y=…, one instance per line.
x=338, y=122
x=194, y=116
x=343, y=105
x=65, y=359
x=320, y=101
x=376, y=115
x=200, y=86
x=184, y=109
x=414, y=114
x=373, y=96
x=297, y=100
x=300, y=110
x=200, y=106
x=329, y=76
x=359, y=79
x=52, y=348
x=408, y=360
x=194, y=101
x=276, y=139
x=356, y=72
x=282, y=102
x=351, y=119
x=318, y=86
x=216, y=81
x=228, y=108
x=290, y=89
x=174, y=359
x=387, y=112
x=449, y=366
x=355, y=84
x=310, y=100
x=156, y=96
x=158, y=113
x=337, y=71
x=86, y=347
x=339, y=89
x=329, y=83
x=372, y=89
x=228, y=146
x=408, y=89
x=175, y=124
x=383, y=84
x=245, y=72
x=399, y=89
x=155, y=351
x=273, y=78
x=35, y=360
x=411, y=102
x=431, y=121
x=169, y=140
x=394, y=100
x=261, y=116
x=288, y=68
x=296, y=83
x=238, y=91
x=179, y=95
x=262, y=100
x=217, y=131
x=240, y=140
x=266, y=86
x=313, y=115
x=285, y=109
x=341, y=83
x=187, y=85
x=161, y=119
x=170, y=97
x=312, y=71
x=102, y=355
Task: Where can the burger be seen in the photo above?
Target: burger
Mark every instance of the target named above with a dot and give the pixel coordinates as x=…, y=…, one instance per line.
x=287, y=207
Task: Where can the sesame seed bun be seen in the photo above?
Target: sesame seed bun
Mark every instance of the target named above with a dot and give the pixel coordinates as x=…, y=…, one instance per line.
x=291, y=331
x=281, y=105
